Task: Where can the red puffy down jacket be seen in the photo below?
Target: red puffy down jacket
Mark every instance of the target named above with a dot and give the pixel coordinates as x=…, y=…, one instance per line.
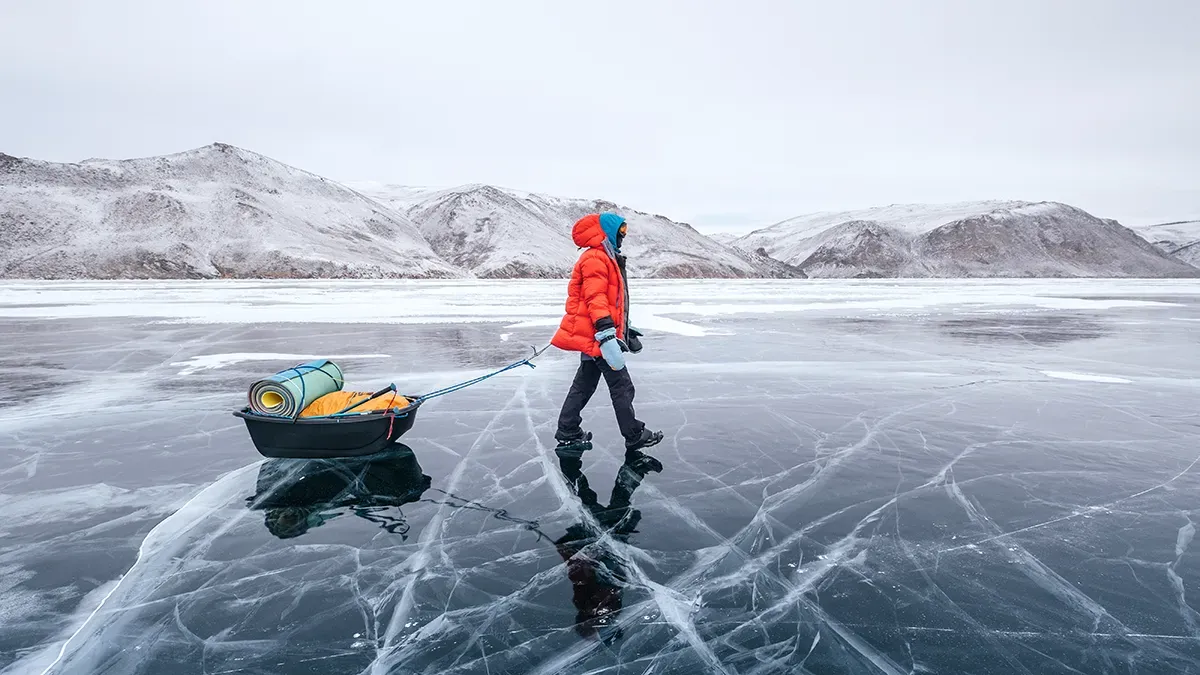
x=596, y=290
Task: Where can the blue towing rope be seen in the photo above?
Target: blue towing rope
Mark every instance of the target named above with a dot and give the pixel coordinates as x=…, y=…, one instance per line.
x=345, y=412
x=446, y=390
x=463, y=385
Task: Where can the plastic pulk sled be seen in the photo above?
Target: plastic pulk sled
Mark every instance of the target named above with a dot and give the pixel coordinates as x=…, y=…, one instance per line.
x=281, y=424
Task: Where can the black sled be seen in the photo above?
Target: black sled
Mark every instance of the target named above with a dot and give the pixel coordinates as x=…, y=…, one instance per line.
x=347, y=433
x=328, y=437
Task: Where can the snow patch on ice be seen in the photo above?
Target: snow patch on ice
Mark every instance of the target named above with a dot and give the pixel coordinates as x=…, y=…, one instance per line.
x=1084, y=377
x=213, y=361
x=643, y=321
x=77, y=502
x=112, y=390
x=662, y=324
x=536, y=323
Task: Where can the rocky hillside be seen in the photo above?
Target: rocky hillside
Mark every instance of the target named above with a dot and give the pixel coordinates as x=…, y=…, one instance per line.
x=1180, y=240
x=978, y=239
x=491, y=232
x=217, y=211
x=220, y=211
x=502, y=233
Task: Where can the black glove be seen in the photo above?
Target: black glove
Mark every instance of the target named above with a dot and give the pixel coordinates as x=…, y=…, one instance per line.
x=631, y=339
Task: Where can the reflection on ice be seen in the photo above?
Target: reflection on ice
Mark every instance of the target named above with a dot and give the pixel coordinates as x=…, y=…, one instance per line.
x=597, y=575
x=1043, y=330
x=298, y=494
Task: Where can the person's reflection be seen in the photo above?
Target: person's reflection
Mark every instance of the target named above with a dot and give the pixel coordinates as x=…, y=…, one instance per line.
x=300, y=494
x=597, y=576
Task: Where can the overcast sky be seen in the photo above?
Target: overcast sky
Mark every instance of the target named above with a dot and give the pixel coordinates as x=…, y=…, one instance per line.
x=721, y=113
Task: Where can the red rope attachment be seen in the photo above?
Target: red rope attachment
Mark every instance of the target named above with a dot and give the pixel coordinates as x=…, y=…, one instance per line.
x=392, y=417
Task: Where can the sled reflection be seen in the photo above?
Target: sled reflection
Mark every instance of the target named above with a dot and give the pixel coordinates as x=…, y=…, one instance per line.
x=598, y=575
x=297, y=495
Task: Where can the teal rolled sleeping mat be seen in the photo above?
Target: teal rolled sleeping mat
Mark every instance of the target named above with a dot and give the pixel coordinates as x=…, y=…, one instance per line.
x=289, y=392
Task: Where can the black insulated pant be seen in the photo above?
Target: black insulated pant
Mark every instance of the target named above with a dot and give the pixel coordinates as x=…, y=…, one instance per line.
x=620, y=388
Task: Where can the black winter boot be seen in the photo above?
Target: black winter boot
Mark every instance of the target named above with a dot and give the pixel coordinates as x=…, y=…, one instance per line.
x=647, y=439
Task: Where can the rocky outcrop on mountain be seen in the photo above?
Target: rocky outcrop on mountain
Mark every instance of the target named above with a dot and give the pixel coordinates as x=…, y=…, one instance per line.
x=977, y=239
x=217, y=211
x=491, y=232
x=772, y=268
x=498, y=232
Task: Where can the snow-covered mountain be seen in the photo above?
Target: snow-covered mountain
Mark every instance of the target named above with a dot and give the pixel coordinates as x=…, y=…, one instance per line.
x=220, y=211
x=498, y=232
x=217, y=211
x=1179, y=240
x=493, y=233
x=976, y=239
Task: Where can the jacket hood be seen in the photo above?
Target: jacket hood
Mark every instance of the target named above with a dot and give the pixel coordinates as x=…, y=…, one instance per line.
x=592, y=230
x=610, y=223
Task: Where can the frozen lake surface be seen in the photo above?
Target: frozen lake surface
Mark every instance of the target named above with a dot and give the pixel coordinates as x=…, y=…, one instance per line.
x=857, y=477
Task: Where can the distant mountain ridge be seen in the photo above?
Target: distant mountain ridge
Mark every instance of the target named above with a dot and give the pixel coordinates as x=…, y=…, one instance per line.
x=216, y=211
x=1180, y=239
x=502, y=233
x=969, y=239
x=221, y=211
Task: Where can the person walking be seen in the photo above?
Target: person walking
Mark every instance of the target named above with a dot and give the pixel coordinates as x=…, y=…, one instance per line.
x=596, y=325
